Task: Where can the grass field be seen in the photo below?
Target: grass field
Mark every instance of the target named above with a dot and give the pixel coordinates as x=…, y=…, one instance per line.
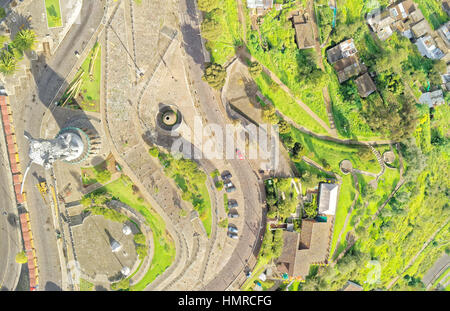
x=86, y=286
x=205, y=216
x=88, y=97
x=286, y=105
x=223, y=48
x=53, y=11
x=164, y=248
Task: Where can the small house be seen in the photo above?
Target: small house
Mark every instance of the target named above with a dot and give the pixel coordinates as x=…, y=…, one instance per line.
x=432, y=99
x=328, y=195
x=365, y=85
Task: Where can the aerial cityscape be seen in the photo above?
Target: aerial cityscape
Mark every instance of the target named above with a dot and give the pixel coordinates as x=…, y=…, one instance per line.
x=224, y=145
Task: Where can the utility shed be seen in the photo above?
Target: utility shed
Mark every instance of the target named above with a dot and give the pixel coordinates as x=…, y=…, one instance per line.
x=365, y=85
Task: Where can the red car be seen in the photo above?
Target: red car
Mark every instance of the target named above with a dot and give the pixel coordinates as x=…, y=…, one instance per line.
x=239, y=154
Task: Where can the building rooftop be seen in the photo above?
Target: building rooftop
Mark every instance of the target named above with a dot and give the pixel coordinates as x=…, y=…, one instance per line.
x=352, y=287
x=421, y=28
x=286, y=261
x=427, y=47
x=432, y=98
x=342, y=50
x=328, y=194
x=303, y=32
x=259, y=4
x=402, y=9
x=365, y=85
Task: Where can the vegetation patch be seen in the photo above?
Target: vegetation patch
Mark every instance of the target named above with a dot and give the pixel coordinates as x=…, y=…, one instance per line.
x=84, y=91
x=53, y=11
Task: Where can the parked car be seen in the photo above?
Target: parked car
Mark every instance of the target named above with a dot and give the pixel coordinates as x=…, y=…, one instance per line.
x=232, y=204
x=230, y=189
x=232, y=235
x=232, y=229
x=226, y=176
x=233, y=215
x=228, y=184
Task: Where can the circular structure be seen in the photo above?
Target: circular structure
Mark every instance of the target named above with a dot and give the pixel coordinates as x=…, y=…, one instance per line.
x=168, y=118
x=346, y=166
x=101, y=247
x=388, y=157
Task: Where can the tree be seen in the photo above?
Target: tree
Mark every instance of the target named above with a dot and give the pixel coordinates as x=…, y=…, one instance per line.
x=207, y=5
x=7, y=62
x=141, y=250
x=310, y=210
x=255, y=68
x=123, y=284
x=24, y=40
x=269, y=114
x=86, y=201
x=277, y=244
x=266, y=246
x=154, y=152
x=283, y=127
x=2, y=13
x=21, y=258
x=215, y=76
x=211, y=29
x=139, y=238
x=103, y=176
x=289, y=142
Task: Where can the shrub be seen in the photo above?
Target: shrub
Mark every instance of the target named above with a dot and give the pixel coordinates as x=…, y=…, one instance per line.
x=154, y=152
x=103, y=176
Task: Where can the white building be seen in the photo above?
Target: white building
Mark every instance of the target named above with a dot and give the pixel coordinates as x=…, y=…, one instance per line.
x=328, y=194
x=427, y=47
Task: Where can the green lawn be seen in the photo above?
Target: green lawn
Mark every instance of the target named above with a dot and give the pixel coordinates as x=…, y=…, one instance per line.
x=205, y=215
x=53, y=11
x=223, y=48
x=286, y=105
x=86, y=286
x=164, y=248
x=89, y=93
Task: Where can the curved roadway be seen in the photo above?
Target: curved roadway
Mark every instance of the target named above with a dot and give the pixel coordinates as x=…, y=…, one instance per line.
x=249, y=236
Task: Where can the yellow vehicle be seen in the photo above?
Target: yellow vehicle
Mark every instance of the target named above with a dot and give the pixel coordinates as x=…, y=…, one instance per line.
x=43, y=189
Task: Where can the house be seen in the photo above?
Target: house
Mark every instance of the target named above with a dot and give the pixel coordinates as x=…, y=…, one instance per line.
x=345, y=61
x=365, y=85
x=446, y=6
x=444, y=33
x=401, y=10
x=380, y=23
x=432, y=99
x=260, y=4
x=328, y=195
x=303, y=31
x=343, y=50
x=398, y=16
x=352, y=287
x=310, y=247
x=286, y=261
x=420, y=29
x=314, y=246
x=446, y=79
x=427, y=47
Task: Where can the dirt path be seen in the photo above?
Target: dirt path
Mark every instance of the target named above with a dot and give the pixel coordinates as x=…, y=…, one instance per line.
x=242, y=20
